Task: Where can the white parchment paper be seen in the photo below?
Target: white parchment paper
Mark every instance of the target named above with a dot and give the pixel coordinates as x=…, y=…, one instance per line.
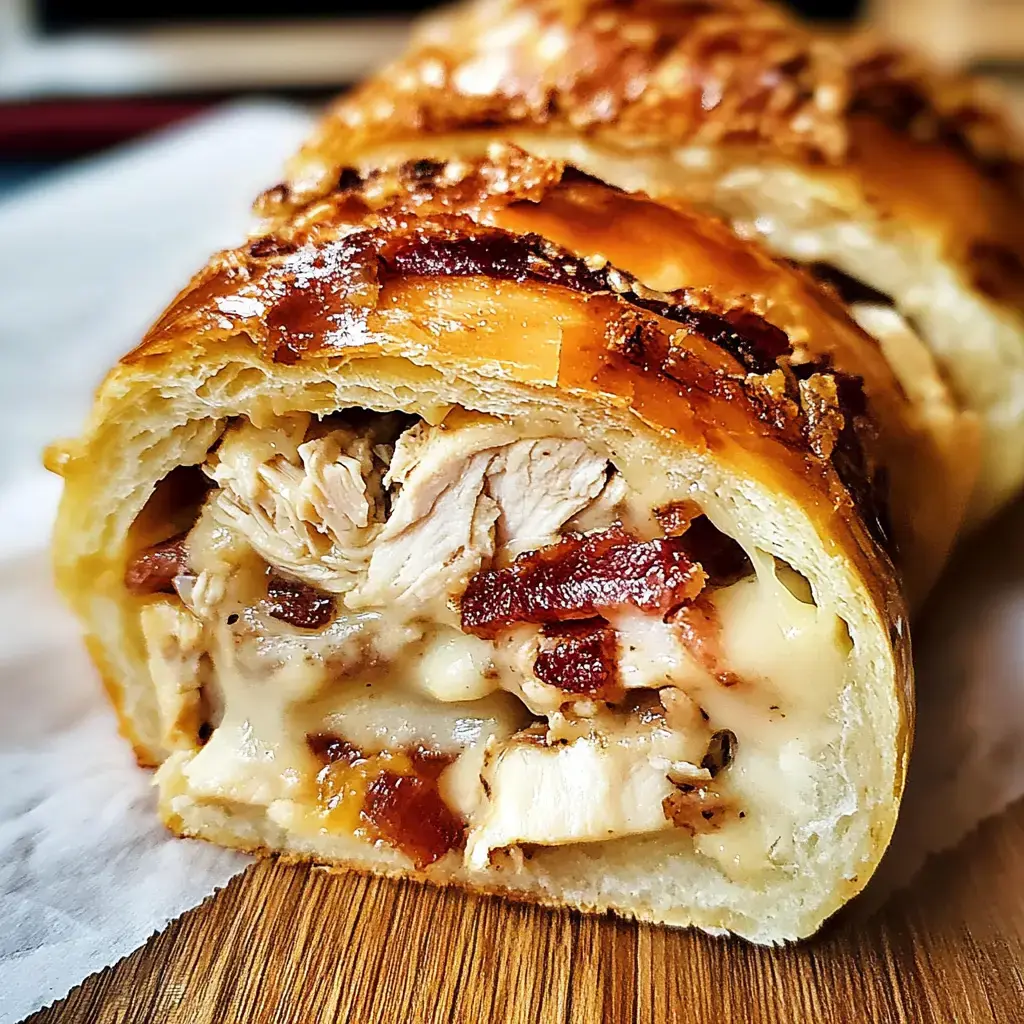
x=87, y=260
x=86, y=871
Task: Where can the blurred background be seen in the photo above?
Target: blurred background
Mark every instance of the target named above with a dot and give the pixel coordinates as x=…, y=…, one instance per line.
x=77, y=77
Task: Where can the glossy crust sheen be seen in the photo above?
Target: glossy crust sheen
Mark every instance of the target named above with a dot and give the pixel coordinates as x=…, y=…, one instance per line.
x=704, y=360
x=470, y=283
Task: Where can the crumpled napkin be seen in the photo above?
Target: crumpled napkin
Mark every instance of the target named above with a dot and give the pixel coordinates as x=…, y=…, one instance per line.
x=86, y=871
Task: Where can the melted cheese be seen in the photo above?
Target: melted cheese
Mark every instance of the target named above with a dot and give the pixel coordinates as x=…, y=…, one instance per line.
x=456, y=667
x=790, y=657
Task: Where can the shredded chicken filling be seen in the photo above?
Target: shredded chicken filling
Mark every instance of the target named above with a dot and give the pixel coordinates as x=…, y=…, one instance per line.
x=321, y=657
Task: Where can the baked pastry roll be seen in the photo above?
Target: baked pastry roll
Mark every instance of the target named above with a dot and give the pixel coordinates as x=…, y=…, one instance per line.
x=419, y=536
x=897, y=184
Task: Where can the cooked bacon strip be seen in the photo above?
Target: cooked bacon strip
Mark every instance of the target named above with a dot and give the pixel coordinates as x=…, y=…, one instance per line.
x=579, y=578
x=675, y=517
x=428, y=764
x=407, y=812
x=583, y=660
x=298, y=604
x=152, y=570
x=401, y=808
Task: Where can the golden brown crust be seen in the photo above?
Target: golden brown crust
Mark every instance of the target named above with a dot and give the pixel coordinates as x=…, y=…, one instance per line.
x=358, y=266
x=126, y=726
x=766, y=330
x=977, y=218
x=339, y=865
x=655, y=73
x=843, y=892
x=758, y=367
x=696, y=361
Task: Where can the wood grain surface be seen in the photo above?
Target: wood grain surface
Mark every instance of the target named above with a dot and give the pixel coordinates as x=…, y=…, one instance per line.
x=298, y=945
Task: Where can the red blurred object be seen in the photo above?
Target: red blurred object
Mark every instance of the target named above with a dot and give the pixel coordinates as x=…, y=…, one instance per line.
x=53, y=129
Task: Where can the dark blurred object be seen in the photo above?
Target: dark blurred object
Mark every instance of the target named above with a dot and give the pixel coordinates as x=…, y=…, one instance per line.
x=56, y=129
x=78, y=77
x=60, y=15
x=828, y=10
x=55, y=48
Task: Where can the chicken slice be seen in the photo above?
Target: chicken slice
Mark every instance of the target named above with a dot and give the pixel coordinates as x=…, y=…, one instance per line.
x=179, y=667
x=467, y=492
x=539, y=486
x=584, y=791
x=440, y=530
x=588, y=779
x=311, y=508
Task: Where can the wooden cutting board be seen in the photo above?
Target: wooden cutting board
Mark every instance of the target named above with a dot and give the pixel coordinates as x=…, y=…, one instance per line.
x=294, y=945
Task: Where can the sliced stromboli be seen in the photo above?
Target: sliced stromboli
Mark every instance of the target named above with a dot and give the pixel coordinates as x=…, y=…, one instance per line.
x=419, y=539
x=846, y=155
